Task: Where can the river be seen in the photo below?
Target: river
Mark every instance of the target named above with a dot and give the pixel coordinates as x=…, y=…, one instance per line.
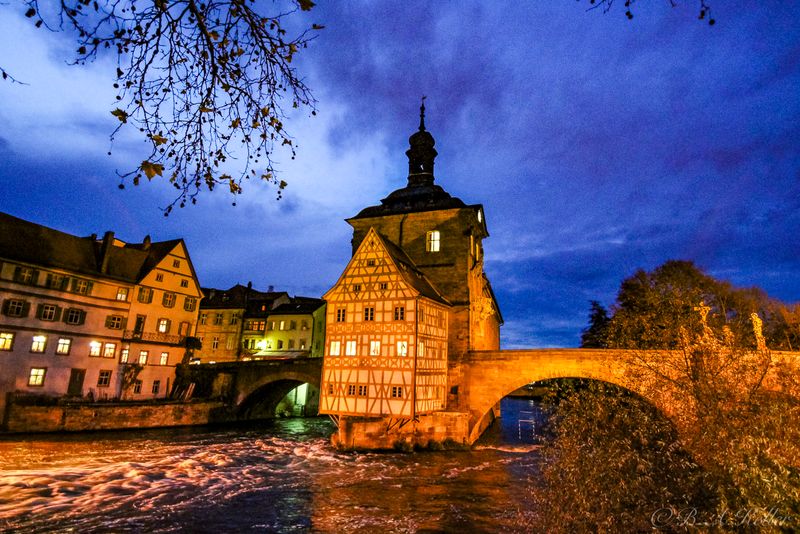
x=280, y=476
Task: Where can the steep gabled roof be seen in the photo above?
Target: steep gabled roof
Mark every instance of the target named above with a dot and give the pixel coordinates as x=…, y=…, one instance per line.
x=405, y=266
x=298, y=306
x=32, y=243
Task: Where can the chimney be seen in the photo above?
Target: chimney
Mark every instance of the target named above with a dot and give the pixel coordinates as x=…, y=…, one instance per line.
x=146, y=243
x=105, y=251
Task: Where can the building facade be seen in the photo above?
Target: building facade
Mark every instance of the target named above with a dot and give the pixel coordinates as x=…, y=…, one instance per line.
x=413, y=299
x=91, y=318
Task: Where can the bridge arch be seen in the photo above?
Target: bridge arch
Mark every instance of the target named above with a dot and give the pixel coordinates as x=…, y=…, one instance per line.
x=491, y=375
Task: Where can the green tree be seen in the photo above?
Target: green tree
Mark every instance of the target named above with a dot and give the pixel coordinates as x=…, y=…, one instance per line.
x=595, y=336
x=704, y=9
x=207, y=84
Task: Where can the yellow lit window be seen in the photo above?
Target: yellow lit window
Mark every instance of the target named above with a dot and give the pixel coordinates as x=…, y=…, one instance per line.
x=123, y=355
x=64, y=344
x=336, y=348
x=122, y=293
x=164, y=358
x=94, y=348
x=402, y=348
x=350, y=348
x=6, y=340
x=374, y=348
x=432, y=242
x=39, y=343
x=421, y=349
x=109, y=350
x=143, y=357
x=36, y=377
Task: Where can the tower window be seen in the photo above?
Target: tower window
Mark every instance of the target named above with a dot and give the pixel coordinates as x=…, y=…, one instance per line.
x=433, y=241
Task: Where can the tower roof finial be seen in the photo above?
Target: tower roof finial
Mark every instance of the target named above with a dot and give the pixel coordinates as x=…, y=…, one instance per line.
x=422, y=114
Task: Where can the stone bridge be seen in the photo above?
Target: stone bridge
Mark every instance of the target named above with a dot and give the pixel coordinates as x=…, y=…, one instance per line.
x=253, y=388
x=485, y=377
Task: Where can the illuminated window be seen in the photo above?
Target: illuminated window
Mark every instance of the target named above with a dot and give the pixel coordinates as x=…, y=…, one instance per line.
x=282, y=325
x=351, y=389
x=341, y=314
x=137, y=386
x=480, y=216
x=303, y=325
x=109, y=350
x=336, y=348
x=421, y=349
x=163, y=325
x=168, y=300
x=362, y=391
x=189, y=303
x=350, y=348
x=143, y=354
x=104, y=379
x=14, y=307
x=369, y=314
x=397, y=392
x=74, y=316
x=156, y=387
x=94, y=348
x=164, y=358
x=159, y=277
x=36, y=376
x=432, y=241
x=64, y=344
x=184, y=283
x=39, y=343
x=402, y=348
x=203, y=318
x=302, y=344
x=122, y=293
x=123, y=355
x=145, y=295
x=47, y=312
x=399, y=313
x=271, y=325
x=6, y=340
x=374, y=348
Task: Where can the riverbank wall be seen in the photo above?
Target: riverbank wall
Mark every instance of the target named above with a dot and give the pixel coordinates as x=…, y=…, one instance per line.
x=81, y=417
x=448, y=430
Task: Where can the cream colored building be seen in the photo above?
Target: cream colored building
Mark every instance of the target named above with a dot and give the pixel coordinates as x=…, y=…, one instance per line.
x=91, y=318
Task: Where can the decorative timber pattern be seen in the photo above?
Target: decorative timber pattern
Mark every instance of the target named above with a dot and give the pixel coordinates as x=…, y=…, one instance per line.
x=386, y=338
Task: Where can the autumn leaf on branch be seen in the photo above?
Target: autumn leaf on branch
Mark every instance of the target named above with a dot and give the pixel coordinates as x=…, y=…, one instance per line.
x=204, y=83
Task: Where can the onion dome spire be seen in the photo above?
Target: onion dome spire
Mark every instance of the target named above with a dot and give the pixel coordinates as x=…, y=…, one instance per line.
x=421, y=154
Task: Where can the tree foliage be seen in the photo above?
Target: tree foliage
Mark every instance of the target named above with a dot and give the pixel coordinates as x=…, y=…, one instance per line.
x=652, y=307
x=704, y=9
x=207, y=84
x=595, y=335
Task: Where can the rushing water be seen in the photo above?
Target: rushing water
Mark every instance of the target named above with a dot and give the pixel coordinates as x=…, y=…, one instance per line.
x=279, y=476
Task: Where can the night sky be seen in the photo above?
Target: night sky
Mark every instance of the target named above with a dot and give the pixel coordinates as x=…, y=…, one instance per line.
x=597, y=146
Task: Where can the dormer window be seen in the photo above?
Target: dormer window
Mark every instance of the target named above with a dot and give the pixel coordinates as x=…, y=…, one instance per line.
x=432, y=242
x=480, y=216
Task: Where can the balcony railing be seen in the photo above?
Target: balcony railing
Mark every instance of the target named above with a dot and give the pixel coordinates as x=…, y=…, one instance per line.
x=154, y=337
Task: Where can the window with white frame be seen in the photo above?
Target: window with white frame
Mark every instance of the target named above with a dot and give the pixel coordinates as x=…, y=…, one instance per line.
x=36, y=376
x=336, y=348
x=74, y=316
x=163, y=325
x=156, y=387
x=402, y=348
x=350, y=348
x=203, y=318
x=341, y=314
x=164, y=358
x=39, y=343
x=14, y=307
x=109, y=350
x=104, y=379
x=217, y=318
x=351, y=389
x=369, y=314
x=362, y=391
x=421, y=349
x=114, y=322
x=48, y=312
x=399, y=313
x=215, y=343
x=143, y=354
x=374, y=348
x=397, y=392
x=137, y=387
x=168, y=300
x=63, y=346
x=122, y=293
x=432, y=241
x=95, y=347
x=123, y=355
